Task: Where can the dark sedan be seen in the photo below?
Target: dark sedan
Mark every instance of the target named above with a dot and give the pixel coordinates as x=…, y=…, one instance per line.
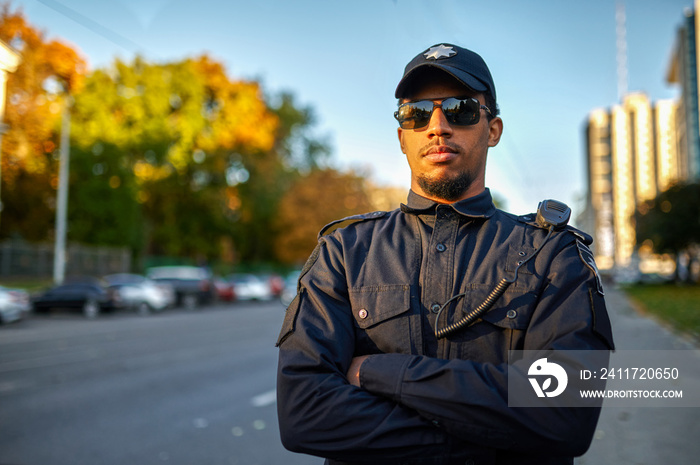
x=193, y=285
x=89, y=297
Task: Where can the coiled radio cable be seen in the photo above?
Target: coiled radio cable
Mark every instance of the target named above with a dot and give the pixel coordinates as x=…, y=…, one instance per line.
x=491, y=299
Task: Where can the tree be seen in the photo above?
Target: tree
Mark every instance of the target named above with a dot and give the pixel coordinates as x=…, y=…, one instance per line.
x=187, y=161
x=301, y=215
x=671, y=222
x=35, y=96
x=172, y=159
x=164, y=136
x=270, y=175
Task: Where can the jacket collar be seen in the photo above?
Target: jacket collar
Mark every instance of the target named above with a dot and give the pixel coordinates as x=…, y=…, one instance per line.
x=479, y=206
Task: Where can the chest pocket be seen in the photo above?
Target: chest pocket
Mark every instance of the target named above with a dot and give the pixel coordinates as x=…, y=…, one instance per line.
x=381, y=318
x=501, y=328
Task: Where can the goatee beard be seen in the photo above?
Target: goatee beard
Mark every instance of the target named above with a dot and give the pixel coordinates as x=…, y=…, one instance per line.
x=450, y=189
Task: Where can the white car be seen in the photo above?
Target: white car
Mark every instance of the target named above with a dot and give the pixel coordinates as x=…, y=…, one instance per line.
x=250, y=287
x=14, y=304
x=290, y=288
x=138, y=292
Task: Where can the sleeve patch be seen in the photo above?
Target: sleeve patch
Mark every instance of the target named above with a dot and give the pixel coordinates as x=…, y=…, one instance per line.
x=290, y=318
x=290, y=315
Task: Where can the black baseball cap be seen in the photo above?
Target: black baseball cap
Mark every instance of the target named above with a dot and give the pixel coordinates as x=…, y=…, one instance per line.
x=462, y=64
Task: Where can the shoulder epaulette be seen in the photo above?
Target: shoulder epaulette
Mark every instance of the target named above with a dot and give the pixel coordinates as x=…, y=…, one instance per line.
x=345, y=222
x=528, y=219
x=531, y=219
x=580, y=235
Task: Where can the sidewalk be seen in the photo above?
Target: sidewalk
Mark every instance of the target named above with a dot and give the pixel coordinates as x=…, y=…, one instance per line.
x=637, y=436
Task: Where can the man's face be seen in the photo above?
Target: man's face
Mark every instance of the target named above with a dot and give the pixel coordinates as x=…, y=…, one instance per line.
x=448, y=163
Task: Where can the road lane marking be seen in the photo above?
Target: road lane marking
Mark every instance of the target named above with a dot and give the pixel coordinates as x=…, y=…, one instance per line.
x=264, y=399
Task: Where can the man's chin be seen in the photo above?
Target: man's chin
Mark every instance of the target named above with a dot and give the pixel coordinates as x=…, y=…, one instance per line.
x=444, y=187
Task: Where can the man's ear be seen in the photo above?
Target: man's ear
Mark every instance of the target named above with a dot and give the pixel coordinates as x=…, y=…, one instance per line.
x=399, y=132
x=495, y=131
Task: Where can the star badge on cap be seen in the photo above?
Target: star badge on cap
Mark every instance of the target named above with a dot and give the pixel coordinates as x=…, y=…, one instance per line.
x=441, y=51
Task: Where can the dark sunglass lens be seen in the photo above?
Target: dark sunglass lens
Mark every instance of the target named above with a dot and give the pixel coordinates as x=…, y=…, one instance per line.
x=462, y=112
x=415, y=115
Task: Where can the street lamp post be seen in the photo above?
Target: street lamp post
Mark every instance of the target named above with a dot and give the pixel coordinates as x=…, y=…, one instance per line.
x=59, y=262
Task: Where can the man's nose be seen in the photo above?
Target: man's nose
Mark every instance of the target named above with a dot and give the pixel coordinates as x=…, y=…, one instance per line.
x=439, y=126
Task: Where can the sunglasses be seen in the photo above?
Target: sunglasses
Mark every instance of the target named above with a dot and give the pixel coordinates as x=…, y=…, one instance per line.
x=457, y=111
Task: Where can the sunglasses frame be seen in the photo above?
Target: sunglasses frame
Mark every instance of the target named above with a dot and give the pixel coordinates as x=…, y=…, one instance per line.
x=439, y=103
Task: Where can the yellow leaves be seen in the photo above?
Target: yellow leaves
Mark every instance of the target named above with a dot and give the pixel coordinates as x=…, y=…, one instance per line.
x=180, y=158
x=237, y=114
x=146, y=172
x=213, y=72
x=189, y=107
x=67, y=66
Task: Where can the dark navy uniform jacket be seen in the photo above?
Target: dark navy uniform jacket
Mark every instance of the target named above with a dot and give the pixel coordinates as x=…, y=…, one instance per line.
x=372, y=286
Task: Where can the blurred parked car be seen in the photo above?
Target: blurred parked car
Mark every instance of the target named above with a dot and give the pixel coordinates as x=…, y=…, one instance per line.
x=275, y=283
x=193, y=285
x=89, y=296
x=290, y=288
x=140, y=293
x=224, y=290
x=14, y=304
x=250, y=287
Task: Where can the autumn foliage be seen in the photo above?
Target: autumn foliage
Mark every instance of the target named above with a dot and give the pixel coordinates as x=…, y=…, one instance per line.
x=35, y=94
x=175, y=159
x=302, y=215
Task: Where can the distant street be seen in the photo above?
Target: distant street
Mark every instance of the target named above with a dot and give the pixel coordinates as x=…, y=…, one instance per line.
x=173, y=388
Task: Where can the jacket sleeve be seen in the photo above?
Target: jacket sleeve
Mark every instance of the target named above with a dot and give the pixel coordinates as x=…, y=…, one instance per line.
x=469, y=400
x=319, y=412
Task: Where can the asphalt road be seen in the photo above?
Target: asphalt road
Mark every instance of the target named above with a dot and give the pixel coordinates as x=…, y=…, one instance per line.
x=198, y=388
x=173, y=388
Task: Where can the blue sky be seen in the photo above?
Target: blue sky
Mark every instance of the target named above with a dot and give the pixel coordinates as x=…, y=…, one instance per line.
x=553, y=61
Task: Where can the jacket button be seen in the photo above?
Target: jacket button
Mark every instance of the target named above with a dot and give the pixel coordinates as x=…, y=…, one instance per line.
x=441, y=247
x=511, y=314
x=362, y=313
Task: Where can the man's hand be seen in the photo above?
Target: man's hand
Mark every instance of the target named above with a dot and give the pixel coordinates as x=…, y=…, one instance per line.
x=354, y=370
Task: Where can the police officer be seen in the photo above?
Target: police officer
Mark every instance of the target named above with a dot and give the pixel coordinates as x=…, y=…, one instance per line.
x=368, y=372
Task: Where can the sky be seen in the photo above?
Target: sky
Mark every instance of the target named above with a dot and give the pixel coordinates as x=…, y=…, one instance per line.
x=552, y=61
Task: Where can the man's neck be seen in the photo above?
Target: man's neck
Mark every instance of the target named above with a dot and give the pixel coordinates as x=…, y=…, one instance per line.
x=471, y=192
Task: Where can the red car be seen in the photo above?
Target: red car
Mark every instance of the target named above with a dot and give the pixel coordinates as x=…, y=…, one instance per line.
x=224, y=290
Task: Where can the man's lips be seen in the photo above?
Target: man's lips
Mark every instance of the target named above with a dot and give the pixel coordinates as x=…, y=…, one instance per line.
x=440, y=154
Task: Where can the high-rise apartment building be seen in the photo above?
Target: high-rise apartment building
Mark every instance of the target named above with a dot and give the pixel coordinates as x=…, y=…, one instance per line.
x=631, y=151
x=683, y=71
x=637, y=149
x=598, y=216
x=668, y=154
